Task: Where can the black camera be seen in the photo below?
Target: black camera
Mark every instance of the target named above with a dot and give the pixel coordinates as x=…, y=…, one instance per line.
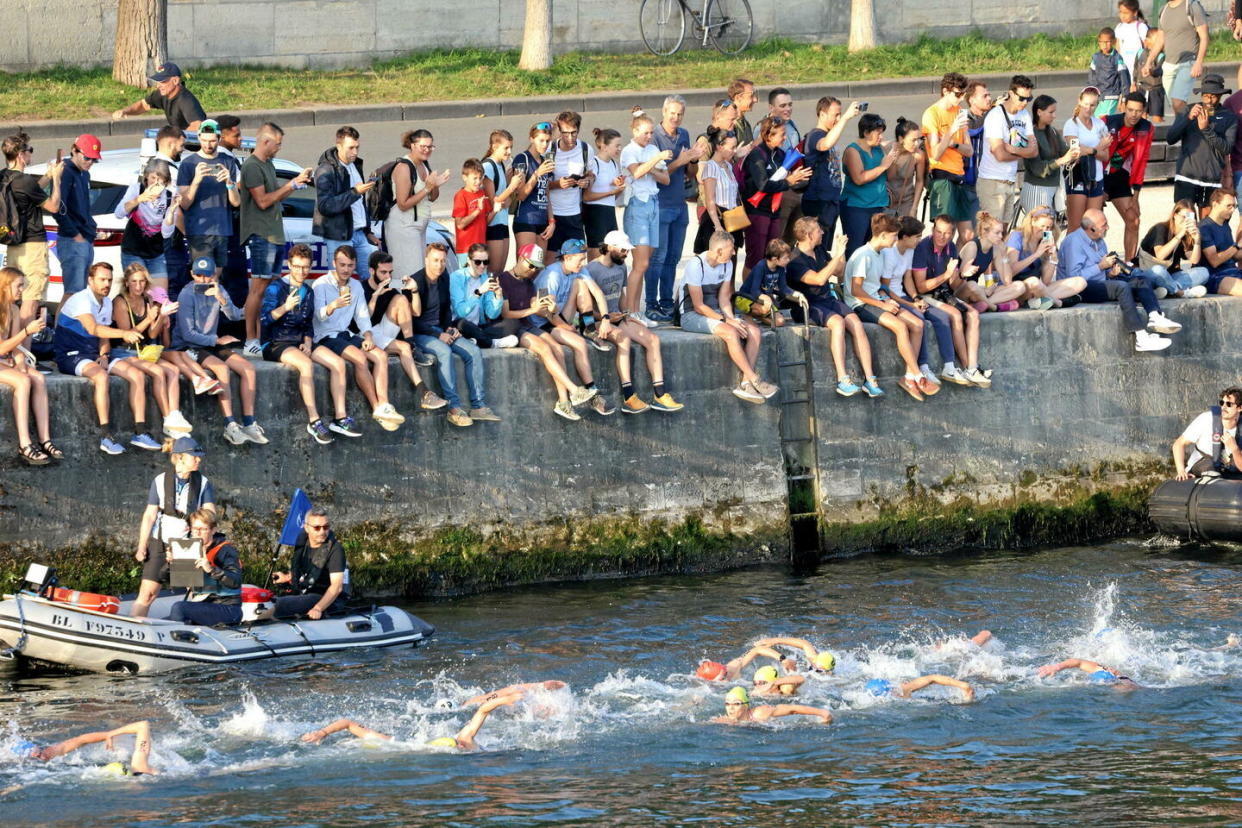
x=1124, y=268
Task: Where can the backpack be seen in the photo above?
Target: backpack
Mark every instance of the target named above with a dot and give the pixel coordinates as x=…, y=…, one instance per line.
x=381, y=198
x=11, y=230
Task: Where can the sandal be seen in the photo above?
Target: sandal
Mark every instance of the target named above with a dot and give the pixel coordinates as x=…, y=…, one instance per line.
x=50, y=449
x=33, y=455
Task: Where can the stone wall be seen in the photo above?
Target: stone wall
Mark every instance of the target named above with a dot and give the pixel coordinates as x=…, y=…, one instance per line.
x=1070, y=397
x=334, y=33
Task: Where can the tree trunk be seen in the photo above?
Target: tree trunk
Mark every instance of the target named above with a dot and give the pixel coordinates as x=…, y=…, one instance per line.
x=862, y=25
x=537, y=36
x=141, y=40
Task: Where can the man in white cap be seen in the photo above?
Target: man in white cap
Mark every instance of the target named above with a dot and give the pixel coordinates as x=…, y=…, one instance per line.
x=181, y=108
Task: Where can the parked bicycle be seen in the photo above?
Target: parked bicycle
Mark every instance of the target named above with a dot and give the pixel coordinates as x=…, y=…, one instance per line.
x=725, y=24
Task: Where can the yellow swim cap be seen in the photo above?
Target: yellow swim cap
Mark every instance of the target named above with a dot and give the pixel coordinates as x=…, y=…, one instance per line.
x=443, y=741
x=116, y=769
x=825, y=662
x=738, y=695
x=766, y=674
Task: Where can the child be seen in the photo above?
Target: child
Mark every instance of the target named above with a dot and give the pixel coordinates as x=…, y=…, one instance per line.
x=766, y=287
x=1131, y=33
x=472, y=209
x=1151, y=83
x=1108, y=73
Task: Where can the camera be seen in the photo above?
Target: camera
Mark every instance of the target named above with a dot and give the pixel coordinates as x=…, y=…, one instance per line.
x=1123, y=267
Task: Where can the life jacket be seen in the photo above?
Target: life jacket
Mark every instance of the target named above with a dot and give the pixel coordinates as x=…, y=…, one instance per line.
x=211, y=587
x=306, y=571
x=169, y=505
x=1220, y=461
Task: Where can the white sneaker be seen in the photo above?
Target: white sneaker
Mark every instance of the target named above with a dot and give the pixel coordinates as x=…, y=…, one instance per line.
x=1196, y=292
x=1158, y=322
x=252, y=349
x=930, y=375
x=255, y=434
x=176, y=425
x=646, y=320
x=505, y=342
x=390, y=412
x=1161, y=292
x=234, y=434
x=387, y=417
x=1147, y=341
x=955, y=376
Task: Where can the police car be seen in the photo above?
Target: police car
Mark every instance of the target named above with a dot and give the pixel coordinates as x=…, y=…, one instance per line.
x=117, y=169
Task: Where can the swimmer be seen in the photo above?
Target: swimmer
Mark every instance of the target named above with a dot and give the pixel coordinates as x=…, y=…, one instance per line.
x=979, y=639
x=820, y=660
x=739, y=711
x=769, y=683
x=141, y=731
x=515, y=688
x=1096, y=672
x=464, y=740
x=715, y=671
x=884, y=687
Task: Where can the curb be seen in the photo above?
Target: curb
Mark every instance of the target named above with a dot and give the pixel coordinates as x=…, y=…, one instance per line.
x=536, y=105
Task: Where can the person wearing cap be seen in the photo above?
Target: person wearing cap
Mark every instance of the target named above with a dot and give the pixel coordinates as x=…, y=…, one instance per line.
x=218, y=600
x=75, y=236
x=879, y=687
x=526, y=315
x=207, y=181
x=738, y=710
x=33, y=195
x=171, y=498
x=181, y=108
x=196, y=335
x=608, y=273
x=820, y=660
x=138, y=760
x=341, y=215
x=464, y=740
x=574, y=297
x=1207, y=133
x=769, y=682
x=715, y=671
x=1095, y=671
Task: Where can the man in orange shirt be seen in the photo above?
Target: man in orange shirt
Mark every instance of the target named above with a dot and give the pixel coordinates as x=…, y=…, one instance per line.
x=947, y=146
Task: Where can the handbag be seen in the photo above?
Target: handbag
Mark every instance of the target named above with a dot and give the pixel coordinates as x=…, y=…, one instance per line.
x=735, y=219
x=151, y=353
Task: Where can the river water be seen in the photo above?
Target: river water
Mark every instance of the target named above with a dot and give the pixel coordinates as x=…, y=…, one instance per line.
x=628, y=742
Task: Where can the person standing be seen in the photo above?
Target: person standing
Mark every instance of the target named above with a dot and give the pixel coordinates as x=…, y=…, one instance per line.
x=181, y=108
x=780, y=105
x=499, y=186
x=646, y=166
x=414, y=187
x=948, y=148
x=1084, y=190
x=34, y=196
x=207, y=181
x=865, y=192
x=571, y=174
x=674, y=215
x=742, y=93
x=1126, y=167
x=1007, y=140
x=75, y=237
x=341, y=215
x=1207, y=134
x=822, y=198
x=262, y=228
x=765, y=180
x=1183, y=38
x=1042, y=180
x=150, y=207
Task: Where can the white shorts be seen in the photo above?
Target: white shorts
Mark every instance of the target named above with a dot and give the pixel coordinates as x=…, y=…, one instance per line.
x=385, y=333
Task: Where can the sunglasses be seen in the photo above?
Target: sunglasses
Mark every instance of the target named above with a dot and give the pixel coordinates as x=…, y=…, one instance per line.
x=320, y=528
x=478, y=261
x=1024, y=98
x=1228, y=404
x=544, y=126
x=723, y=102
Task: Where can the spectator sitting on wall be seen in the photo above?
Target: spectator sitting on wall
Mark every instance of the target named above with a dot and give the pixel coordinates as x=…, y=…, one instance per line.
x=392, y=327
x=934, y=272
x=1033, y=256
x=1174, y=250
x=988, y=283
x=1221, y=248
x=476, y=301
x=899, y=285
x=767, y=288
x=28, y=386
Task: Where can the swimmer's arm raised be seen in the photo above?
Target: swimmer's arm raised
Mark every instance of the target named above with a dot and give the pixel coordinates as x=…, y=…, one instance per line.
x=317, y=736
x=1068, y=664
x=466, y=735
x=514, y=688
x=801, y=643
x=946, y=681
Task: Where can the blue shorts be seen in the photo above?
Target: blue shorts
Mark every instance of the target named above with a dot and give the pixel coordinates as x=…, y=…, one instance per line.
x=869, y=313
x=215, y=248
x=1090, y=189
x=642, y=222
x=266, y=257
x=337, y=343
x=73, y=362
x=155, y=266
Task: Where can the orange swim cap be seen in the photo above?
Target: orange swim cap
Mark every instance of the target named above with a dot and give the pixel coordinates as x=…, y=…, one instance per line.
x=710, y=670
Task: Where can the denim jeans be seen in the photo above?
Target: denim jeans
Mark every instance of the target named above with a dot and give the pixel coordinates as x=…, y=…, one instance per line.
x=1127, y=293
x=362, y=247
x=76, y=258
x=664, y=259
x=856, y=225
x=934, y=318
x=205, y=613
x=447, y=371
x=1179, y=281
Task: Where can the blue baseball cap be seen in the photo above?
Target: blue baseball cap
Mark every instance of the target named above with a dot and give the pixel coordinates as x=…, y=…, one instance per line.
x=204, y=266
x=165, y=71
x=573, y=247
x=187, y=445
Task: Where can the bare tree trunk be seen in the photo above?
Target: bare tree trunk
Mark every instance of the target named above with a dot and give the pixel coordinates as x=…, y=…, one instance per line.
x=862, y=25
x=537, y=36
x=141, y=40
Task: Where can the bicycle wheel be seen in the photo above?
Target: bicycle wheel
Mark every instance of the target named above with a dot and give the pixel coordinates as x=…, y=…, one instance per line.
x=729, y=25
x=662, y=24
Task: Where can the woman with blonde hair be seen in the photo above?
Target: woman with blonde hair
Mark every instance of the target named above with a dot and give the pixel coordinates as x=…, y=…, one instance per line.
x=29, y=387
x=1172, y=252
x=646, y=167
x=1032, y=254
x=533, y=222
x=1085, y=188
x=134, y=309
x=988, y=284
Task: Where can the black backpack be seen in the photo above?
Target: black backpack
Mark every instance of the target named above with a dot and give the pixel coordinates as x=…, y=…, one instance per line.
x=11, y=230
x=381, y=198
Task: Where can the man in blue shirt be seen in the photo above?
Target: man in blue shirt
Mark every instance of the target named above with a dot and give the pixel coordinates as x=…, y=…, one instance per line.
x=1084, y=253
x=207, y=180
x=674, y=218
x=1220, y=245
x=75, y=236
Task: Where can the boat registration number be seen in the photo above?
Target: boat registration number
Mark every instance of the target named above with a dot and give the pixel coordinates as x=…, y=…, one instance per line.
x=92, y=626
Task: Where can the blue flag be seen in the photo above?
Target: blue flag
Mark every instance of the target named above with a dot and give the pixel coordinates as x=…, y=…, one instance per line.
x=298, y=507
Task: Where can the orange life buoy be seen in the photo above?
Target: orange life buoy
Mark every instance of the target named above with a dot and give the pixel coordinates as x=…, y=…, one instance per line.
x=87, y=600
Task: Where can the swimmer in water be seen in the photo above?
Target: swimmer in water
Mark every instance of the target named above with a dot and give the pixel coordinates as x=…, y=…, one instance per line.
x=767, y=682
x=715, y=671
x=141, y=731
x=884, y=687
x=739, y=711
x=1096, y=672
x=464, y=740
x=821, y=661
x=515, y=688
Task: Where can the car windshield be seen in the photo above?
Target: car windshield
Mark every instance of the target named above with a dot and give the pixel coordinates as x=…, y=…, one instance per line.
x=300, y=204
x=105, y=197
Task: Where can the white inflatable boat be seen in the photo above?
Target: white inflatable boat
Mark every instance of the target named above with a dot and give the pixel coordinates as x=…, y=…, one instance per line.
x=70, y=632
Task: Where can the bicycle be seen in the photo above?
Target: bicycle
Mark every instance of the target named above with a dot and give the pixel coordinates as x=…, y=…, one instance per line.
x=726, y=24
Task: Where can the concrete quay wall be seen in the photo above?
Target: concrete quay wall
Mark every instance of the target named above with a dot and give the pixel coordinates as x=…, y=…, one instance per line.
x=1071, y=401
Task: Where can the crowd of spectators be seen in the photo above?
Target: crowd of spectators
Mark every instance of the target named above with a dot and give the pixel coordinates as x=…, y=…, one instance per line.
x=985, y=204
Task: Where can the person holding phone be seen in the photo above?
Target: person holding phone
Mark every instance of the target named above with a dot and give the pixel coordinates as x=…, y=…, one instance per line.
x=475, y=297
x=533, y=222
x=207, y=181
x=1173, y=254
x=1032, y=253
x=150, y=206
x=16, y=371
x=33, y=196
x=136, y=309
x=389, y=301
x=341, y=214
x=1042, y=181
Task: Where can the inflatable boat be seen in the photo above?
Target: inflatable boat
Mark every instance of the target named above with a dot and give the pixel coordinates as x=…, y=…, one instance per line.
x=84, y=631
x=1203, y=508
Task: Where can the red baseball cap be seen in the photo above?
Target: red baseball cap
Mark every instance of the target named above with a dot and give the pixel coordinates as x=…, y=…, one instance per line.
x=88, y=145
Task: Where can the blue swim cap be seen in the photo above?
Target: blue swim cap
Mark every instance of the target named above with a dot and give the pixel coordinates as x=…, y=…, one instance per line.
x=24, y=748
x=879, y=687
x=1102, y=676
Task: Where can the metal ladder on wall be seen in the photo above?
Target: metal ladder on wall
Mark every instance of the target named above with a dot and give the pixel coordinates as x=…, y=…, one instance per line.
x=799, y=432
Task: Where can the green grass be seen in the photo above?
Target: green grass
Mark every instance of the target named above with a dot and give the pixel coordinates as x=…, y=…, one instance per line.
x=69, y=93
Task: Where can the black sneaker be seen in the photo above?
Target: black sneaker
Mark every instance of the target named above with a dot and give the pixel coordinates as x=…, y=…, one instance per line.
x=345, y=426
x=422, y=358
x=319, y=432
x=1070, y=301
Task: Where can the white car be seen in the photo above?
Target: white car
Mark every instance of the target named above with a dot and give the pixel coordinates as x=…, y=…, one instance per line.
x=117, y=169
